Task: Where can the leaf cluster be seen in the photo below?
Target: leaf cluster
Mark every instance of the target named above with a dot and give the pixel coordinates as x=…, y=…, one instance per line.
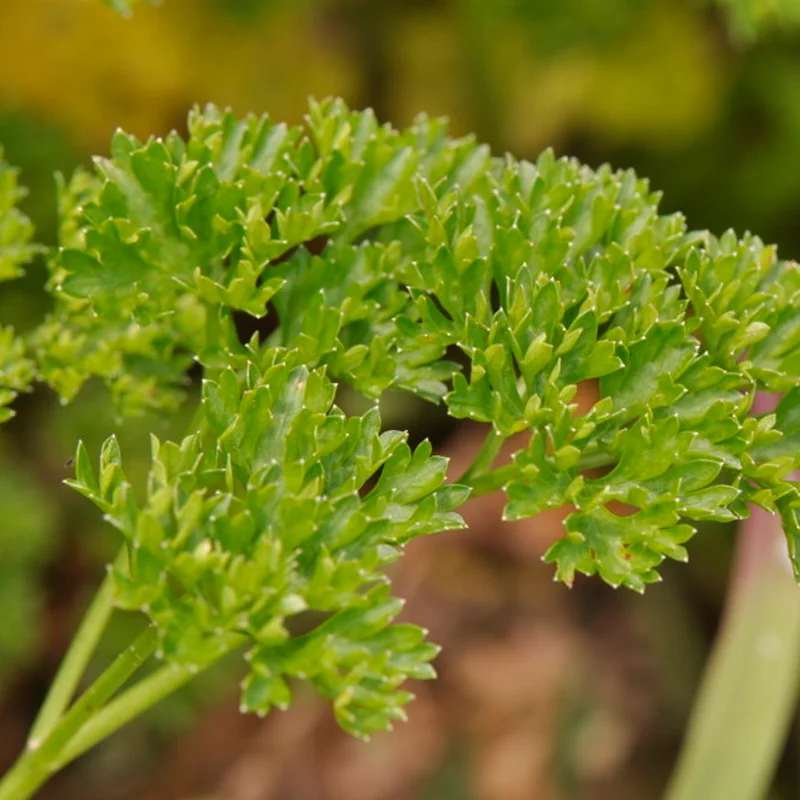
x=413, y=261
x=380, y=259
x=281, y=513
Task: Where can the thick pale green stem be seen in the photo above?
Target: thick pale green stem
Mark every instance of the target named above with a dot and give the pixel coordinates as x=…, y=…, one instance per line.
x=42, y=758
x=77, y=658
x=745, y=703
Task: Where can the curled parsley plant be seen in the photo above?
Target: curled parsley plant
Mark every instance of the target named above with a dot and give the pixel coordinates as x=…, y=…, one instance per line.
x=378, y=259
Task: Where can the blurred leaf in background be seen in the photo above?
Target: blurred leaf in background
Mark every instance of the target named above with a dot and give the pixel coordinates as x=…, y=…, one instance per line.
x=90, y=70
x=748, y=18
x=27, y=539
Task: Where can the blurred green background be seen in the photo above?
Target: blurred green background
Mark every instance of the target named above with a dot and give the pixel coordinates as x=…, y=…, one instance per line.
x=544, y=693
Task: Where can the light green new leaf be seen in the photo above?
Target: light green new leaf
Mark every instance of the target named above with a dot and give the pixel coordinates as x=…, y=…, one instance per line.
x=267, y=517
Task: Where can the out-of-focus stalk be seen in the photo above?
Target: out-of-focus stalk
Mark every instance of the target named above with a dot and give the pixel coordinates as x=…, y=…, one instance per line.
x=745, y=702
x=476, y=19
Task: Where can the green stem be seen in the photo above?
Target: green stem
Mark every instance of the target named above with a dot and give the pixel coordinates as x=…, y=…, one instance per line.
x=492, y=481
x=598, y=458
x=43, y=758
x=482, y=479
x=744, y=707
x=131, y=703
x=77, y=658
x=484, y=459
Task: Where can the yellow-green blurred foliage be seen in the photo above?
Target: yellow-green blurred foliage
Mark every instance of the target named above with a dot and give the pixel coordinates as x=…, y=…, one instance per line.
x=748, y=18
x=87, y=70
x=655, y=84
x=79, y=65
